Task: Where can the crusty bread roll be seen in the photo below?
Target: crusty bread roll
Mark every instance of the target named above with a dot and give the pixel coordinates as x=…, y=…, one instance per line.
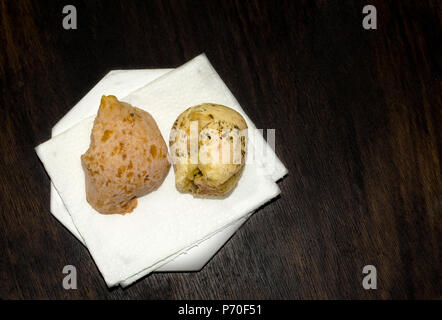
x=208, y=173
x=127, y=157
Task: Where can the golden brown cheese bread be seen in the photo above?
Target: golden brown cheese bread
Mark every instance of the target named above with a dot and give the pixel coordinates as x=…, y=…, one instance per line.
x=202, y=167
x=127, y=157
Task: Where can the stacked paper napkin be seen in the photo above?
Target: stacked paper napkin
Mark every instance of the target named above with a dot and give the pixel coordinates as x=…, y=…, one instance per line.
x=166, y=223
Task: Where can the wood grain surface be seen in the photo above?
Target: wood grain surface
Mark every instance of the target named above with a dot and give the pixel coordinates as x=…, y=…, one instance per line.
x=357, y=114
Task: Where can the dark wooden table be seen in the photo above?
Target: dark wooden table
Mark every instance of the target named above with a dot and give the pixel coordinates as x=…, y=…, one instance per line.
x=357, y=113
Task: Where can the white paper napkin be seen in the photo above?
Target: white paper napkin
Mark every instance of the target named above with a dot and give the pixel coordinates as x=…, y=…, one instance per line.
x=165, y=222
x=119, y=83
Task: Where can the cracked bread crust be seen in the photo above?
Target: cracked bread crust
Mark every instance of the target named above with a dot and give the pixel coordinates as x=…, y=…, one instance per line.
x=209, y=175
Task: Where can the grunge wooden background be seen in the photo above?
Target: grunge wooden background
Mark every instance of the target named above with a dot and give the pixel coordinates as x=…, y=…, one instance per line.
x=357, y=114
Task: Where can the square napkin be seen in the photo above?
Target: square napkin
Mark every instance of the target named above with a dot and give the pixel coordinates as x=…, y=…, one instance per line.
x=166, y=222
x=119, y=83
